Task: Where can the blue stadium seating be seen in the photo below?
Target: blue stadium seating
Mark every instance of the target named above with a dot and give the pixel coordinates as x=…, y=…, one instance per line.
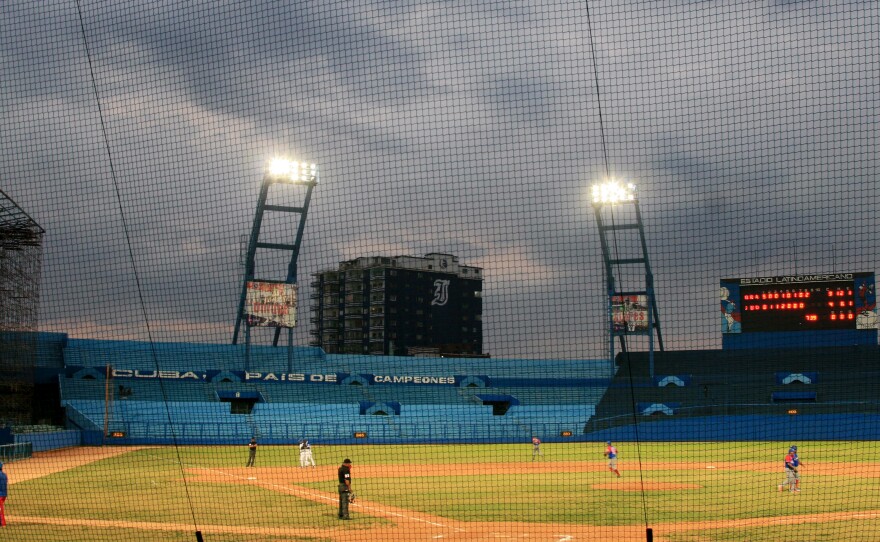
x=547, y=398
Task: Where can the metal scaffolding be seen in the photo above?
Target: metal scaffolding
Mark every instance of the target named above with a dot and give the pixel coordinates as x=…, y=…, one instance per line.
x=21, y=253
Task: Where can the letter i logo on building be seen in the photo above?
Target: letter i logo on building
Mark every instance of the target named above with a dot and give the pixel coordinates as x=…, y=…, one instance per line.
x=441, y=292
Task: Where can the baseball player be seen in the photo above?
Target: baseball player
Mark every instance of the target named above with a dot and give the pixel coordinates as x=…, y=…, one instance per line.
x=3, y=494
x=611, y=454
x=344, y=488
x=305, y=454
x=536, y=448
x=252, y=452
x=792, y=476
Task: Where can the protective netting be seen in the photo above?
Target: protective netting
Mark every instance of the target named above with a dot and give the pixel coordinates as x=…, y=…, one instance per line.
x=137, y=136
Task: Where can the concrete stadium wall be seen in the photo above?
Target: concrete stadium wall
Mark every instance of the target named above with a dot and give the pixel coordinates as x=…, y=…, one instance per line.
x=42, y=442
x=749, y=428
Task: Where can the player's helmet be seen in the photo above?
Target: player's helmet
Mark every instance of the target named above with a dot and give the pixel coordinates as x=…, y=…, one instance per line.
x=793, y=449
x=608, y=443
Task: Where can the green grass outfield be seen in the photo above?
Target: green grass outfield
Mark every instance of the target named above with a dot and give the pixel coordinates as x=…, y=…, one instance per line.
x=490, y=483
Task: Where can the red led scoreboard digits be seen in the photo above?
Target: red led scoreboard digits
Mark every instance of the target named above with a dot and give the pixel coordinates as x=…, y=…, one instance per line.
x=823, y=305
x=801, y=302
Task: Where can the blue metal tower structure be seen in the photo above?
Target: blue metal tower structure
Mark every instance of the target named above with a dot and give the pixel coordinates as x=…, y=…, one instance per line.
x=280, y=172
x=625, y=253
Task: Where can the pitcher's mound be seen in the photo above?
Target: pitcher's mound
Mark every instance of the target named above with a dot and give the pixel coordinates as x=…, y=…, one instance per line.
x=646, y=486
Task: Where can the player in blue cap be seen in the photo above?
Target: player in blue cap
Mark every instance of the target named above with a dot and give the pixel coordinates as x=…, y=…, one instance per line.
x=793, y=464
x=611, y=454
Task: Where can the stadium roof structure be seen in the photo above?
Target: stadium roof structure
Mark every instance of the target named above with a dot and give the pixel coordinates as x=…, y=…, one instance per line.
x=17, y=228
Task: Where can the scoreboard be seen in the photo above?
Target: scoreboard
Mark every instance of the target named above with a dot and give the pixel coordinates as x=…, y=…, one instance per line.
x=829, y=301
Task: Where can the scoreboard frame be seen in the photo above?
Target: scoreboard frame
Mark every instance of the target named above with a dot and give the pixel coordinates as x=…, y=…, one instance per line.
x=813, y=302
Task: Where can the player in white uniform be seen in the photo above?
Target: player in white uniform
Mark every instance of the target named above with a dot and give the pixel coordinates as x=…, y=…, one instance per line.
x=305, y=454
x=536, y=448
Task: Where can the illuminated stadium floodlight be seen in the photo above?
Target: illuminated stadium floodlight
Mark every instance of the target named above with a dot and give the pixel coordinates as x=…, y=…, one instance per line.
x=612, y=192
x=267, y=302
x=625, y=253
x=292, y=171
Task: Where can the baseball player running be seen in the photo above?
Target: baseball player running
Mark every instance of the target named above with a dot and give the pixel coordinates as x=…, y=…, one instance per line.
x=611, y=454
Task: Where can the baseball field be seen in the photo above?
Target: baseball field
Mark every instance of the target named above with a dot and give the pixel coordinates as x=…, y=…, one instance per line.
x=681, y=491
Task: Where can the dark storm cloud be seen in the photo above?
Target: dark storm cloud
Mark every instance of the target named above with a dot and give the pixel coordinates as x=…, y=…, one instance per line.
x=232, y=55
x=447, y=127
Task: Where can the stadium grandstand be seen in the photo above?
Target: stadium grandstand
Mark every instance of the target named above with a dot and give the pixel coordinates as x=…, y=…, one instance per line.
x=534, y=270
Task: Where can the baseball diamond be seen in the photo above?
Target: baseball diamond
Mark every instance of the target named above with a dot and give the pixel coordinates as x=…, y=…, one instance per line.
x=421, y=271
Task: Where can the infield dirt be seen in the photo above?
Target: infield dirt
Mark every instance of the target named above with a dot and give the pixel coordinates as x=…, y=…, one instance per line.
x=408, y=525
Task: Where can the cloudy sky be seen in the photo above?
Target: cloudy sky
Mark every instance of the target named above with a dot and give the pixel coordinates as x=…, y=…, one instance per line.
x=136, y=134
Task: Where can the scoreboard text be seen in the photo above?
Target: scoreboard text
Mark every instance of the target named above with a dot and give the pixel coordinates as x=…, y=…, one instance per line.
x=799, y=303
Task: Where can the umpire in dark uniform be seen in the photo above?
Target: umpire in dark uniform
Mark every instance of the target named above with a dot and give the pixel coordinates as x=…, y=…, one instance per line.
x=344, y=488
x=252, y=452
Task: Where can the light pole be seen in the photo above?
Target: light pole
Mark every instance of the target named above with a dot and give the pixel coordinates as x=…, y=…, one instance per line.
x=279, y=171
x=629, y=312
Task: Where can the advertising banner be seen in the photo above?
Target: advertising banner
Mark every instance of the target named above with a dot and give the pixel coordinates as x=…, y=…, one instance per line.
x=629, y=313
x=270, y=304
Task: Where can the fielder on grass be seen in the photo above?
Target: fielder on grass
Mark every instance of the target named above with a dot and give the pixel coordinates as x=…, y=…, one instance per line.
x=611, y=454
x=536, y=448
x=792, y=465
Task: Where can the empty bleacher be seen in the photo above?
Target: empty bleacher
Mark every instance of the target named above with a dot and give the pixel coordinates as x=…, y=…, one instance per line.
x=744, y=383
x=549, y=396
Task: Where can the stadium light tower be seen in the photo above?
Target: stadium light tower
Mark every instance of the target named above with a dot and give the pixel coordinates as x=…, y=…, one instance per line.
x=632, y=312
x=272, y=303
